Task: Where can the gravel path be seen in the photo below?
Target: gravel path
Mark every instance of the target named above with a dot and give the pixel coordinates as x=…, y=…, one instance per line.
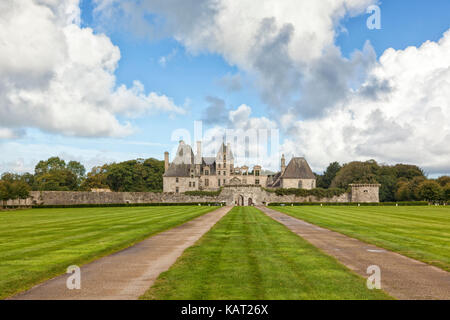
x=401, y=277
x=127, y=274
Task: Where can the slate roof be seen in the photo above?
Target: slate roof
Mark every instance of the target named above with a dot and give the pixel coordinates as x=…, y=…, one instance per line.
x=178, y=170
x=184, y=170
x=298, y=168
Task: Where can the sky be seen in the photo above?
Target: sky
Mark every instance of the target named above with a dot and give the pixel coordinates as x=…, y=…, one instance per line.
x=102, y=81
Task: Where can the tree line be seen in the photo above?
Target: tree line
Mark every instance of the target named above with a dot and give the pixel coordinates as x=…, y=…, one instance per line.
x=400, y=182
x=55, y=174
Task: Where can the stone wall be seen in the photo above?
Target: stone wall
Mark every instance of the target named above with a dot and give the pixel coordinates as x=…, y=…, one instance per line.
x=75, y=198
x=231, y=195
x=365, y=193
x=295, y=183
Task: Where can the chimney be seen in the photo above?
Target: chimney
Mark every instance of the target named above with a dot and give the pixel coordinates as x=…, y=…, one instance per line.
x=283, y=164
x=198, y=158
x=166, y=161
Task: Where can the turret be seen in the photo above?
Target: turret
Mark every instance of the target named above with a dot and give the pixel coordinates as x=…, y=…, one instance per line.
x=166, y=161
x=283, y=164
x=198, y=156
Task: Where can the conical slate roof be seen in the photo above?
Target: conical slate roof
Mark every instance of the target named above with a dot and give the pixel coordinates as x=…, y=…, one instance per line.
x=298, y=168
x=225, y=150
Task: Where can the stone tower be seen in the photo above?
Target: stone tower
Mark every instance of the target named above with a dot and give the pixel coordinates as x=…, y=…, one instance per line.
x=166, y=161
x=283, y=164
x=365, y=192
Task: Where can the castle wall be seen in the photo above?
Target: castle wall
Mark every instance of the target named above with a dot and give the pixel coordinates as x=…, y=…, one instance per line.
x=294, y=183
x=365, y=192
x=231, y=195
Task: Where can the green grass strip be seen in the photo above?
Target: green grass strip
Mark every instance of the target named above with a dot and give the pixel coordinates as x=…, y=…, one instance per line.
x=36, y=245
x=422, y=233
x=247, y=255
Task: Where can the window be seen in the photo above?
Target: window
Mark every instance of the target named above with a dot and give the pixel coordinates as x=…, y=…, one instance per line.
x=218, y=172
x=206, y=182
x=257, y=181
x=176, y=180
x=218, y=182
x=206, y=172
x=219, y=165
x=300, y=184
x=224, y=181
x=365, y=191
x=257, y=173
x=231, y=167
x=177, y=190
x=224, y=157
x=190, y=184
x=193, y=184
x=224, y=173
x=192, y=176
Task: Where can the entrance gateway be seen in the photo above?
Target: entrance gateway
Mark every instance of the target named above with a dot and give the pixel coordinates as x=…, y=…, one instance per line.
x=240, y=201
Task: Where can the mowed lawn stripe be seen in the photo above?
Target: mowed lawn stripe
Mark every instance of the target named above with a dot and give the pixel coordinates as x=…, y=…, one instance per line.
x=38, y=244
x=75, y=231
x=247, y=255
x=421, y=233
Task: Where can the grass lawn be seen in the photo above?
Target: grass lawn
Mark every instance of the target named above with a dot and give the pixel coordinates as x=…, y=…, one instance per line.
x=39, y=244
x=247, y=255
x=422, y=233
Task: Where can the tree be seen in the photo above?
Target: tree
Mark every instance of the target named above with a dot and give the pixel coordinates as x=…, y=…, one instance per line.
x=430, y=191
x=78, y=170
x=403, y=192
x=5, y=192
x=10, y=190
x=136, y=175
x=96, y=178
x=325, y=180
x=446, y=192
x=54, y=175
x=414, y=187
x=356, y=172
x=443, y=181
x=52, y=164
x=408, y=171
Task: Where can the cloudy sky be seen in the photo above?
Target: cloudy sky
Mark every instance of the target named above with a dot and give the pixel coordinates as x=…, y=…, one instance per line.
x=107, y=80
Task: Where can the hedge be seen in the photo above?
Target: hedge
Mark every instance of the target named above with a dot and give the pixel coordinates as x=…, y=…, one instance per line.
x=111, y=205
x=405, y=203
x=203, y=193
x=317, y=192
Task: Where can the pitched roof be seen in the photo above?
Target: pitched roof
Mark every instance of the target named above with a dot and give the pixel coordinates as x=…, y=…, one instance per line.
x=209, y=160
x=184, y=154
x=225, y=150
x=298, y=168
x=178, y=170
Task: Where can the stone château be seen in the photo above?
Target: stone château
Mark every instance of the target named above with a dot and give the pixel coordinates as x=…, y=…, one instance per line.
x=189, y=172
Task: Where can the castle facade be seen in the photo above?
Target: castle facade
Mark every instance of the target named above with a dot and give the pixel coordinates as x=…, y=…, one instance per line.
x=191, y=172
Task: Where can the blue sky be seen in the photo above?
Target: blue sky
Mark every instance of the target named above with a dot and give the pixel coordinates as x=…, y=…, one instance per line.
x=189, y=77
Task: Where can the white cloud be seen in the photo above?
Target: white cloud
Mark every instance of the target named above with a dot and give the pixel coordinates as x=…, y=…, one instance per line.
x=167, y=58
x=409, y=122
x=59, y=77
x=6, y=133
x=287, y=46
x=332, y=108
